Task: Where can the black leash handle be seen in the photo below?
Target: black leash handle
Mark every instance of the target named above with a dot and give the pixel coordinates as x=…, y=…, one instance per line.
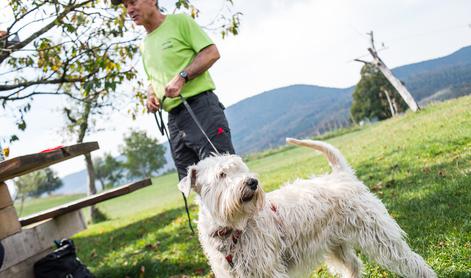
x=163, y=131
x=160, y=124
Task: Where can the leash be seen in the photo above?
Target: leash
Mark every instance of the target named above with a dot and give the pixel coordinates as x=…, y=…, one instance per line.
x=163, y=130
x=193, y=116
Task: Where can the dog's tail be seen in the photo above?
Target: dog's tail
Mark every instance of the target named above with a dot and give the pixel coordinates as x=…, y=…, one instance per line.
x=336, y=160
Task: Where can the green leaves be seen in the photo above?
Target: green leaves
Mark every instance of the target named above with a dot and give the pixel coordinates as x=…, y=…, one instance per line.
x=83, y=49
x=91, y=38
x=37, y=183
x=370, y=98
x=108, y=170
x=182, y=3
x=144, y=156
x=232, y=25
x=48, y=58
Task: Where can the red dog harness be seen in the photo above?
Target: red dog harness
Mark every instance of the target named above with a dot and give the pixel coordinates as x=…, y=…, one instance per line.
x=224, y=232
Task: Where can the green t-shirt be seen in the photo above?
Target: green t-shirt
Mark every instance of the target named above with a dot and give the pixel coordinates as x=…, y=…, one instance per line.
x=170, y=48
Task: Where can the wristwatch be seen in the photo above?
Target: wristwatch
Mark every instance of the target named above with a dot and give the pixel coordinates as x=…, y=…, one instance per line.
x=184, y=75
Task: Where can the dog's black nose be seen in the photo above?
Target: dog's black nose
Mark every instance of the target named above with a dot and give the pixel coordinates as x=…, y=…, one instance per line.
x=252, y=183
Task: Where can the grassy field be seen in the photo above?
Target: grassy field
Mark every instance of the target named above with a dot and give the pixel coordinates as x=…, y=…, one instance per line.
x=160, y=195
x=35, y=205
x=419, y=165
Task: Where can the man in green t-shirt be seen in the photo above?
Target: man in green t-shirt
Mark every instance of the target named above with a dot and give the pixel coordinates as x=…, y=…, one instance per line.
x=176, y=55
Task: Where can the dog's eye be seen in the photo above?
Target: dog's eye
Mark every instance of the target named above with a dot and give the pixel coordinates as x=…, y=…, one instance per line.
x=222, y=175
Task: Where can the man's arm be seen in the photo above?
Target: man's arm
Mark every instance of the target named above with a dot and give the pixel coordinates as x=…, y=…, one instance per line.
x=201, y=63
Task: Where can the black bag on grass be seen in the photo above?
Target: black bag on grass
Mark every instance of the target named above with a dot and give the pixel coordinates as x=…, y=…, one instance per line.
x=2, y=254
x=62, y=263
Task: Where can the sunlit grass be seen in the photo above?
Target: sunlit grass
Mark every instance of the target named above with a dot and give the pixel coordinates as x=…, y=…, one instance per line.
x=418, y=164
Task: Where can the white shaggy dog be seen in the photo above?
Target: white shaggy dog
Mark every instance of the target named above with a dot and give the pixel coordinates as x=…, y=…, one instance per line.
x=288, y=232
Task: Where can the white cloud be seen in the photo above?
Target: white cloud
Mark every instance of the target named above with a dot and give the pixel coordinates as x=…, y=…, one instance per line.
x=314, y=42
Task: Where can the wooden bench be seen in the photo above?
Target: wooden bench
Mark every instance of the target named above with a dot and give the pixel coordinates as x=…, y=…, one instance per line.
x=30, y=238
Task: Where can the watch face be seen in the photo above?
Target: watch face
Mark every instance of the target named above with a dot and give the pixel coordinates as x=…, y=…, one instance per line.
x=184, y=75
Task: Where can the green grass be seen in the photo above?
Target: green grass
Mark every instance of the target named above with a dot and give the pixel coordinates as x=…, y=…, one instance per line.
x=419, y=164
x=162, y=194
x=35, y=205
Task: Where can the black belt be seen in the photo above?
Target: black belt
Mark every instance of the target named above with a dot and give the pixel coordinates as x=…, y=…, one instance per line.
x=181, y=107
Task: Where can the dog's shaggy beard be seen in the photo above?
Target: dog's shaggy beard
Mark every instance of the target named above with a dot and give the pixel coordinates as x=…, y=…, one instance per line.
x=234, y=203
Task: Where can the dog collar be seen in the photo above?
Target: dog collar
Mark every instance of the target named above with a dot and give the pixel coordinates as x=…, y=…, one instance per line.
x=225, y=232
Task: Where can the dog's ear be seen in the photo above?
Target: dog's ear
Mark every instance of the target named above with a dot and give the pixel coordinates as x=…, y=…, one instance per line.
x=188, y=182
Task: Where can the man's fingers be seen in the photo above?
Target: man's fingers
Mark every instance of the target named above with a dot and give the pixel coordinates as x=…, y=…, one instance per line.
x=151, y=109
x=153, y=104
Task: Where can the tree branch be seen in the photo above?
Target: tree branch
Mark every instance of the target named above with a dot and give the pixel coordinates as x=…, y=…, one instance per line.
x=45, y=93
x=55, y=81
x=41, y=31
x=45, y=82
x=361, y=61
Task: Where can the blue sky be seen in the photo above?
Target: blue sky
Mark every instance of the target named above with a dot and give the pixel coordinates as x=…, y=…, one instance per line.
x=281, y=42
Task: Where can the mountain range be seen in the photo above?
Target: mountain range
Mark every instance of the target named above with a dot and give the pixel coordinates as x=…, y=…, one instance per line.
x=264, y=120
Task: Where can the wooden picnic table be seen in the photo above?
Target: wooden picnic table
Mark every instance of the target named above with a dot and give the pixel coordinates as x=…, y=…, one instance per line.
x=30, y=238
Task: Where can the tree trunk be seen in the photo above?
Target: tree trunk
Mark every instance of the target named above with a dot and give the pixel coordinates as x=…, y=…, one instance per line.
x=401, y=89
x=91, y=183
x=88, y=158
x=22, y=203
x=389, y=102
x=102, y=183
x=395, y=105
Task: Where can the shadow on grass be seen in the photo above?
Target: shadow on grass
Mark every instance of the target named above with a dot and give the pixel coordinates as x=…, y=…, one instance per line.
x=158, y=246
x=432, y=204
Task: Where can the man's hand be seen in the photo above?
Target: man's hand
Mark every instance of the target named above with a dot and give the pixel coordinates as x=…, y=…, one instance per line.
x=174, y=87
x=153, y=103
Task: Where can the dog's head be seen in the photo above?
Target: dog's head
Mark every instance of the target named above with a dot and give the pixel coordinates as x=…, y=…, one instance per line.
x=226, y=187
